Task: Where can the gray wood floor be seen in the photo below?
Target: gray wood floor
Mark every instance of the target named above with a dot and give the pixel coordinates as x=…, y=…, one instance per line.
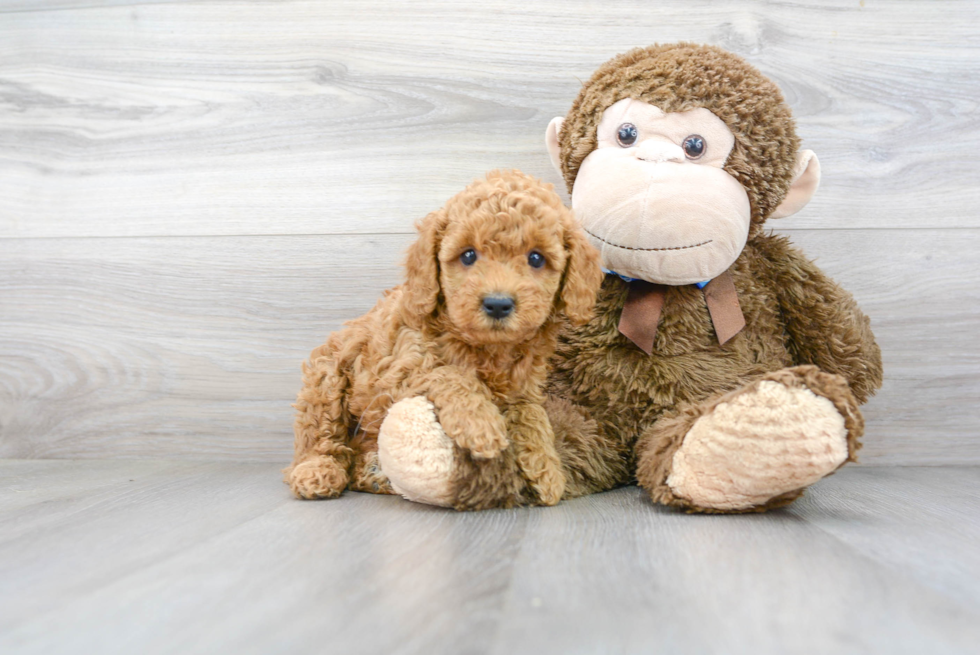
x=165, y=557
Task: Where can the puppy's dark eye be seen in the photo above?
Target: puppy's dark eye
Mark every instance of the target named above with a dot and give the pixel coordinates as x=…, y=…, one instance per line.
x=535, y=259
x=626, y=134
x=694, y=146
x=468, y=258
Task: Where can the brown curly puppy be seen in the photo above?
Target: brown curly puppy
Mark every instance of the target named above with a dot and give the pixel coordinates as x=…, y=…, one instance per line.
x=471, y=330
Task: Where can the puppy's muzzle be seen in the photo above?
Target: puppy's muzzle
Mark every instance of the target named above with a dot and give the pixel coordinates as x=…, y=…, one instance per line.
x=498, y=307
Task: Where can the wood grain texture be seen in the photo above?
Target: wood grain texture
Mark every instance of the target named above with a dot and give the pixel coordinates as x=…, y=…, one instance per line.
x=194, y=193
x=164, y=557
x=190, y=347
x=135, y=119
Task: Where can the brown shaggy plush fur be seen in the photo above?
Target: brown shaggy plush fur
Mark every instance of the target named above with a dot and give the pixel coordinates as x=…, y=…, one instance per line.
x=431, y=337
x=794, y=315
x=620, y=414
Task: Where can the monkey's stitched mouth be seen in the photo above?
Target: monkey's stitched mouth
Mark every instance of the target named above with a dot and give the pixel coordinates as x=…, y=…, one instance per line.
x=696, y=245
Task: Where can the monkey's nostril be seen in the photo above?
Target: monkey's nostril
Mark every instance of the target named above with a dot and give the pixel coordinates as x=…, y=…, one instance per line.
x=657, y=152
x=498, y=307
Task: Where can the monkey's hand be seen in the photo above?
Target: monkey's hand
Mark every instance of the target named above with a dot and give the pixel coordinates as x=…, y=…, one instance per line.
x=424, y=465
x=415, y=454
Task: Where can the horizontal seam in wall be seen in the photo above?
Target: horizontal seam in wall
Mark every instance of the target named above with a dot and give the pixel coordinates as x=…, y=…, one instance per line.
x=38, y=10
x=412, y=233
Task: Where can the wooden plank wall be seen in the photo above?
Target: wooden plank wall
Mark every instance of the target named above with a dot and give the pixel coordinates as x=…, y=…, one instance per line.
x=193, y=194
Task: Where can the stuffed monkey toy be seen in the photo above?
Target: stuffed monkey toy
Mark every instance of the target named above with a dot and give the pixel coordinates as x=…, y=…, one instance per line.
x=723, y=370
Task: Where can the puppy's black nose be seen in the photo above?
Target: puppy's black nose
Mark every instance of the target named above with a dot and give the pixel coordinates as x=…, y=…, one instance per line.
x=498, y=306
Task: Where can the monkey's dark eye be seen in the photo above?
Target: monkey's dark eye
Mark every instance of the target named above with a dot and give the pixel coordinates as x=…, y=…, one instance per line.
x=626, y=134
x=535, y=259
x=694, y=146
x=468, y=258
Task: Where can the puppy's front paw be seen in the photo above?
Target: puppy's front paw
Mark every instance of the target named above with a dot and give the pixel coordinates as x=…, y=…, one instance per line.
x=415, y=453
x=550, y=487
x=318, y=477
x=486, y=448
x=483, y=432
x=478, y=427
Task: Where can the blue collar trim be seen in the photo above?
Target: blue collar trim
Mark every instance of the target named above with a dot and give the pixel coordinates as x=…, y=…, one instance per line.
x=622, y=277
x=699, y=285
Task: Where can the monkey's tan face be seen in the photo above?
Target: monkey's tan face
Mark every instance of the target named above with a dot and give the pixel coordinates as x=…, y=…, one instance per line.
x=653, y=196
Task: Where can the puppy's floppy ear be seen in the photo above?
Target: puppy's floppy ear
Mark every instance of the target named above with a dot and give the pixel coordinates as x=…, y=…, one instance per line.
x=583, y=274
x=422, y=267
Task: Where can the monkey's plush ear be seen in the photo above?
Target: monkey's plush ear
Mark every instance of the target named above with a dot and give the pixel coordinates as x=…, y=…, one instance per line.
x=422, y=268
x=551, y=140
x=583, y=275
x=806, y=179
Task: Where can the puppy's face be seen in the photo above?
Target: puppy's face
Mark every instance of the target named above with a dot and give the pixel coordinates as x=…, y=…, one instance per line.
x=501, y=265
x=500, y=258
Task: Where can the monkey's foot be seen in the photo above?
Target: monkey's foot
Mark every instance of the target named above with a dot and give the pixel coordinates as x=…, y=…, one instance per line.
x=753, y=449
x=415, y=453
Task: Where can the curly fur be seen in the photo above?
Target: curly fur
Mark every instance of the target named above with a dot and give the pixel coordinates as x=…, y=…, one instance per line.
x=430, y=337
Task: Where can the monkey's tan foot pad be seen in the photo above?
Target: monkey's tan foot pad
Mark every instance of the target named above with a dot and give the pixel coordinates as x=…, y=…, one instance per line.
x=415, y=453
x=768, y=440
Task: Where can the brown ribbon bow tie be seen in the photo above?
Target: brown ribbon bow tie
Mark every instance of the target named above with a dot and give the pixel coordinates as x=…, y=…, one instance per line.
x=641, y=313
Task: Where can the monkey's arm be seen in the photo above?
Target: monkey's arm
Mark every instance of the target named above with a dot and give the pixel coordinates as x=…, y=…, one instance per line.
x=826, y=328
